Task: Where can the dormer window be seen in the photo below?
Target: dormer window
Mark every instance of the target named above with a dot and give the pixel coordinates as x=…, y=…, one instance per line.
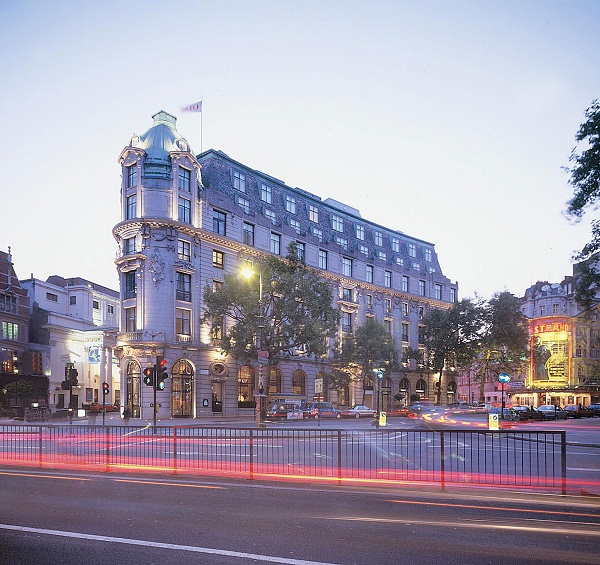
x=184, y=179
x=132, y=176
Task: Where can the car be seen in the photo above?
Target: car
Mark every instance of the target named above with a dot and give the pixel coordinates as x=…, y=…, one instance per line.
x=96, y=407
x=283, y=410
x=358, y=411
x=578, y=411
x=595, y=409
x=509, y=413
x=553, y=412
x=527, y=413
x=322, y=410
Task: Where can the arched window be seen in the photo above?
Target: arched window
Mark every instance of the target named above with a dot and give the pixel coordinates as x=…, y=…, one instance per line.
x=404, y=391
x=274, y=380
x=421, y=388
x=299, y=382
x=452, y=392
x=246, y=384
x=182, y=397
x=323, y=395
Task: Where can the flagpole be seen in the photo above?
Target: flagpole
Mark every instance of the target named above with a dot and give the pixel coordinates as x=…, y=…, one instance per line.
x=201, y=117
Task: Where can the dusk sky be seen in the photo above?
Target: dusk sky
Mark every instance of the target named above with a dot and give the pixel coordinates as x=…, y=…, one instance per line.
x=450, y=121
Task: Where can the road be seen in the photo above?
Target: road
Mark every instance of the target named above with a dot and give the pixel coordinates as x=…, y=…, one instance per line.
x=72, y=518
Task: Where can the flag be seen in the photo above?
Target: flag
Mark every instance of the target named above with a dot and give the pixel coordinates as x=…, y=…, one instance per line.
x=197, y=107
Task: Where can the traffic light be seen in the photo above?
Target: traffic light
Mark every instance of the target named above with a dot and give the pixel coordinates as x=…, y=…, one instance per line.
x=73, y=374
x=161, y=372
x=105, y=388
x=149, y=376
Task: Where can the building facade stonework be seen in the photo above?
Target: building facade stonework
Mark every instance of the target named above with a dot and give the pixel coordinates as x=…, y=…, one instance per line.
x=188, y=220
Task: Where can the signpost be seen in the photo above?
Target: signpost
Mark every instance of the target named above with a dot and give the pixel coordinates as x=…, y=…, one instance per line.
x=504, y=378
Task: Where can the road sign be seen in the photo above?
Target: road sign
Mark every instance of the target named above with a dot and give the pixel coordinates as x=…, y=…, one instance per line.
x=318, y=386
x=493, y=421
x=504, y=378
x=382, y=419
x=263, y=357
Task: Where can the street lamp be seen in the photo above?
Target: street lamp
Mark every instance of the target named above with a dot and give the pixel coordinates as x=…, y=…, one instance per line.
x=263, y=357
x=503, y=378
x=379, y=374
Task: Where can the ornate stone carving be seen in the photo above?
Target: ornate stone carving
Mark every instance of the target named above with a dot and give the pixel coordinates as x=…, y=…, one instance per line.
x=156, y=267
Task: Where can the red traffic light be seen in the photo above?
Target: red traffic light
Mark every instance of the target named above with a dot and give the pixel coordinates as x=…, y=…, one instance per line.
x=105, y=388
x=149, y=376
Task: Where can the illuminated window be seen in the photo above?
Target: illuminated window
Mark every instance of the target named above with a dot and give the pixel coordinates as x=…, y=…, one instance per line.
x=184, y=250
x=218, y=259
x=182, y=321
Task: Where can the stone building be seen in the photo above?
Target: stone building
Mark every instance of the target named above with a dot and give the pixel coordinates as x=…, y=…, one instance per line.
x=188, y=220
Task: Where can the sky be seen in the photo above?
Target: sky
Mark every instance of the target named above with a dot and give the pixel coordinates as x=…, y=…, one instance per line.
x=451, y=121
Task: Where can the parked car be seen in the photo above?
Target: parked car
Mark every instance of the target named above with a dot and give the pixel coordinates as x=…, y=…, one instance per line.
x=578, y=411
x=527, y=413
x=282, y=410
x=595, y=409
x=96, y=407
x=358, y=411
x=322, y=410
x=553, y=412
x=509, y=413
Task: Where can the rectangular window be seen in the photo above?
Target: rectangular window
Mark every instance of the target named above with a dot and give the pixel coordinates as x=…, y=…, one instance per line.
x=405, y=284
x=219, y=222
x=542, y=310
x=295, y=224
x=271, y=215
x=363, y=249
x=51, y=297
x=217, y=285
x=322, y=259
x=369, y=277
x=184, y=250
x=239, y=181
x=342, y=242
x=416, y=266
x=360, y=232
x=412, y=250
x=318, y=233
x=184, y=287
x=275, y=246
x=290, y=204
x=378, y=238
x=8, y=303
x=347, y=294
x=266, y=193
x=129, y=246
x=382, y=255
x=184, y=210
x=248, y=234
x=218, y=259
x=301, y=250
x=405, y=308
x=347, y=322
x=387, y=324
x=453, y=295
x=130, y=320
x=346, y=267
x=132, y=176
x=438, y=291
x=72, y=300
x=395, y=245
x=337, y=223
x=404, y=331
x=369, y=300
x=95, y=305
x=182, y=322
x=244, y=204
x=428, y=255
x=555, y=308
x=110, y=309
x=421, y=288
x=184, y=179
x=131, y=207
x=130, y=284
x=387, y=305
x=10, y=331
x=313, y=213
x=400, y=261
x=387, y=279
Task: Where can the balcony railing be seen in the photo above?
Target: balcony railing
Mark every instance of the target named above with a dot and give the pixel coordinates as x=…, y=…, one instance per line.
x=184, y=338
x=184, y=295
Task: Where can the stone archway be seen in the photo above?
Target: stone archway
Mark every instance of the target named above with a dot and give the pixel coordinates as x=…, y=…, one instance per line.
x=182, y=389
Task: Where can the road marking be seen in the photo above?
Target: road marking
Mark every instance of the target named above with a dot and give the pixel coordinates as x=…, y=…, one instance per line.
x=581, y=469
x=159, y=545
x=15, y=474
x=166, y=484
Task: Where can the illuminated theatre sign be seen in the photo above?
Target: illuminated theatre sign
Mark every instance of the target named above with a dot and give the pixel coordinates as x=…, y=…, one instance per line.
x=550, y=351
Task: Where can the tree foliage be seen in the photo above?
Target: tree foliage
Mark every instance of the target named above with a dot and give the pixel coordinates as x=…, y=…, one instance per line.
x=293, y=317
x=19, y=389
x=585, y=181
x=370, y=347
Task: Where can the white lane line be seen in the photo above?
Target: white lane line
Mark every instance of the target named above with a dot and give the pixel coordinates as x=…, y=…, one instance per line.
x=159, y=545
x=581, y=469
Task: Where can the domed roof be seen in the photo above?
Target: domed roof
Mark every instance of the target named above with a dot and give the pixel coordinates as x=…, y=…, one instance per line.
x=161, y=138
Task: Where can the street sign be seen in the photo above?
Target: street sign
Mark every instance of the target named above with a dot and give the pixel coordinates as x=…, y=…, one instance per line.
x=263, y=357
x=493, y=421
x=382, y=419
x=504, y=378
x=318, y=386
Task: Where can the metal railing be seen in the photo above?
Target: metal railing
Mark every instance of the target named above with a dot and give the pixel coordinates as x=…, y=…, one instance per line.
x=533, y=459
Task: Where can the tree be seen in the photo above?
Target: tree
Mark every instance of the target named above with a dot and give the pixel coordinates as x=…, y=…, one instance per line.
x=505, y=343
x=293, y=317
x=370, y=347
x=451, y=337
x=585, y=180
x=19, y=389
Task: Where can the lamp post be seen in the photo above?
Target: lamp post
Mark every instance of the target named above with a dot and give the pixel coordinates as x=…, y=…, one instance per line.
x=263, y=357
x=503, y=378
x=379, y=374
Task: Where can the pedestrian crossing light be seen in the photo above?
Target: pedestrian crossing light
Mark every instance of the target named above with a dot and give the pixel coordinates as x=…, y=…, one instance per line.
x=161, y=372
x=149, y=376
x=105, y=388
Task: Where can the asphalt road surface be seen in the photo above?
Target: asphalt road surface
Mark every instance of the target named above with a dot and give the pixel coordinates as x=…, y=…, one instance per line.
x=72, y=518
